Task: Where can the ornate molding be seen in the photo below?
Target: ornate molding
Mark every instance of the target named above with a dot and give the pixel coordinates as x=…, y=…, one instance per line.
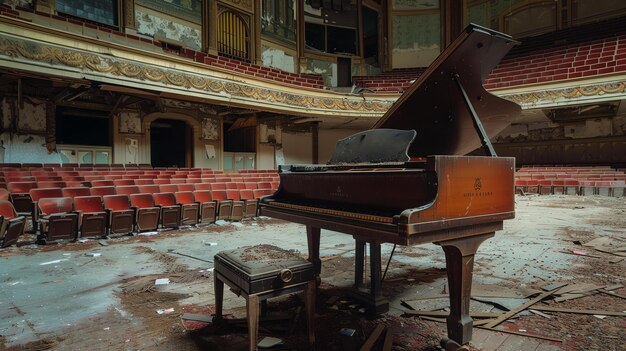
x=240, y=92
x=129, y=14
x=569, y=96
x=245, y=5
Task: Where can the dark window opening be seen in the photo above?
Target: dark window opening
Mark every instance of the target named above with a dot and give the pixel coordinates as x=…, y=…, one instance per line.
x=315, y=36
x=170, y=143
x=240, y=139
x=341, y=40
x=370, y=36
x=82, y=127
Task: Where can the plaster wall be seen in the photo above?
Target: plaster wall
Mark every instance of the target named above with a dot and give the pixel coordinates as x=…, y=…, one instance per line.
x=416, y=40
x=327, y=69
x=154, y=23
x=297, y=148
x=327, y=140
x=25, y=148
x=277, y=57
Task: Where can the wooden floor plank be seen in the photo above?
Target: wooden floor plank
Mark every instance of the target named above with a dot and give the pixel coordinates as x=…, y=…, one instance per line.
x=548, y=346
x=518, y=343
x=491, y=341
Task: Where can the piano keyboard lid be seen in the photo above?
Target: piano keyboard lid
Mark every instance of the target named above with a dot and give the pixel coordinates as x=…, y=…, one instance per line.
x=435, y=107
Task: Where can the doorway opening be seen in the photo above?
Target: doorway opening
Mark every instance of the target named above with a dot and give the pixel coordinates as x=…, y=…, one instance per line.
x=370, y=36
x=170, y=143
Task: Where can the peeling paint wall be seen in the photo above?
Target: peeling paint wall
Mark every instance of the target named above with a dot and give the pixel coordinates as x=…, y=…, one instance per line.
x=17, y=3
x=590, y=141
x=545, y=131
x=327, y=69
x=26, y=148
x=278, y=58
x=153, y=23
x=416, y=40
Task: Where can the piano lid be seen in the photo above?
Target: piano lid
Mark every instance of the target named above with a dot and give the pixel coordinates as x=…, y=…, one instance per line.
x=434, y=106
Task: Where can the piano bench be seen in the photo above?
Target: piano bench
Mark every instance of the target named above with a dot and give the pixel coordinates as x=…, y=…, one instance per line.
x=261, y=272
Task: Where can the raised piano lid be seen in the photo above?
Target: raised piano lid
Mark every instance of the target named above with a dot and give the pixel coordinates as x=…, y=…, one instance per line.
x=434, y=106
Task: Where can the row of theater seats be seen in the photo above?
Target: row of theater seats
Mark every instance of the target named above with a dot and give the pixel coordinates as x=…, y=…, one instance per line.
x=66, y=214
x=70, y=203
x=571, y=181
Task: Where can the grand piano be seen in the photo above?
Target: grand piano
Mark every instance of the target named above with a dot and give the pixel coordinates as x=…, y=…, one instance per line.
x=406, y=181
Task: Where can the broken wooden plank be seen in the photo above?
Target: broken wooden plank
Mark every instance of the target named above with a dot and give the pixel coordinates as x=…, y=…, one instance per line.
x=553, y=286
x=388, y=341
x=612, y=293
x=540, y=314
x=518, y=309
x=438, y=296
x=434, y=319
x=613, y=287
x=522, y=334
x=446, y=314
x=567, y=297
x=371, y=340
x=572, y=310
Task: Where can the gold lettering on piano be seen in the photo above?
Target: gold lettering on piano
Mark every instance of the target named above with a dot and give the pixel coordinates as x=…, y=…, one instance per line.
x=338, y=193
x=478, y=194
x=338, y=213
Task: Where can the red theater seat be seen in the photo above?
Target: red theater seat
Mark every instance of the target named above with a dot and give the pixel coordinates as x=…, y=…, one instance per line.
x=52, y=184
x=170, y=209
x=258, y=193
x=121, y=182
x=4, y=194
x=202, y=186
x=251, y=203
x=121, y=215
x=238, y=206
x=168, y=188
x=218, y=186
x=224, y=204
x=146, y=213
x=186, y=187
x=149, y=189
x=92, y=219
x=73, y=192
x=102, y=190
x=189, y=207
x=20, y=196
x=56, y=219
x=102, y=183
x=127, y=189
x=208, y=206
x=11, y=225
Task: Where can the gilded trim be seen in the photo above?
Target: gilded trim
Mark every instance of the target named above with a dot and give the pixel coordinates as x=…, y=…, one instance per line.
x=236, y=92
x=569, y=96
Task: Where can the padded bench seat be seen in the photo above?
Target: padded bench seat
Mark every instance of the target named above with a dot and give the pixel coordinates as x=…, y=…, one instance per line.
x=261, y=272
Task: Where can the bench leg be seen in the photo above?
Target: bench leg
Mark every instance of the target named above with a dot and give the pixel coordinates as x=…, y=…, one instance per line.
x=310, y=312
x=252, y=306
x=218, y=286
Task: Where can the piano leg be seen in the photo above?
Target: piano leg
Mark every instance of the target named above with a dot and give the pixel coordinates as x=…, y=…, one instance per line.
x=359, y=263
x=375, y=302
x=313, y=242
x=460, y=264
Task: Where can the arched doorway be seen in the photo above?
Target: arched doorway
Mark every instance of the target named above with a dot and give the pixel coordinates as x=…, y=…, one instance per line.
x=171, y=143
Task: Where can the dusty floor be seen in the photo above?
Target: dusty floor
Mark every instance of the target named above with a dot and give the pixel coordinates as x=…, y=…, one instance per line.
x=63, y=297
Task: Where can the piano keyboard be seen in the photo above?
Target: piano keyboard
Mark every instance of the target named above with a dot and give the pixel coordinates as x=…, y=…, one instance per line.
x=333, y=212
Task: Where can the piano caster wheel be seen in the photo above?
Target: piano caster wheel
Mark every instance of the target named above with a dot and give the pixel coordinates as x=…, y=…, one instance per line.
x=451, y=345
